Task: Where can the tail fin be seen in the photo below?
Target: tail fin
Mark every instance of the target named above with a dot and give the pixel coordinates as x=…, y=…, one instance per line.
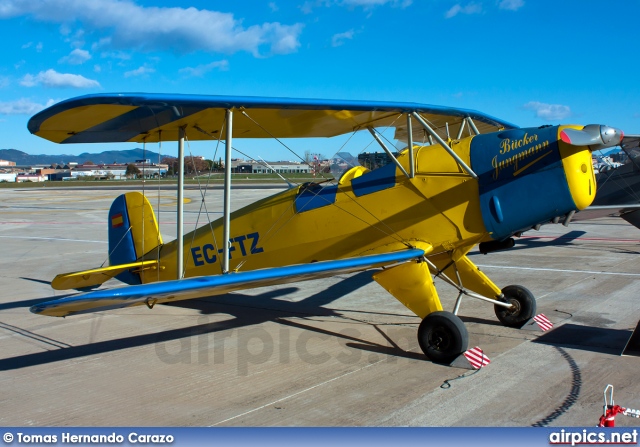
x=133, y=232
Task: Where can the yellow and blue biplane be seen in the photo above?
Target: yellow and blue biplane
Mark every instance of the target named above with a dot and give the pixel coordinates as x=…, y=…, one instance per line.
x=472, y=179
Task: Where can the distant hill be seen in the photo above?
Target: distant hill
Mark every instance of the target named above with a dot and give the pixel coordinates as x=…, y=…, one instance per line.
x=123, y=156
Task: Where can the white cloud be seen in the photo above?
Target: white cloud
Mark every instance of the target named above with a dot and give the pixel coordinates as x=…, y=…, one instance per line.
x=371, y=3
x=141, y=71
x=52, y=78
x=284, y=40
x=38, y=46
x=511, y=5
x=548, y=112
x=23, y=106
x=339, y=39
x=115, y=55
x=308, y=6
x=183, y=30
x=76, y=57
x=470, y=8
x=273, y=6
x=77, y=39
x=201, y=70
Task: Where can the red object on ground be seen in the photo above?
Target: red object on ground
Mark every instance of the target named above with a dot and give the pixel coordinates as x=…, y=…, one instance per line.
x=609, y=418
x=477, y=358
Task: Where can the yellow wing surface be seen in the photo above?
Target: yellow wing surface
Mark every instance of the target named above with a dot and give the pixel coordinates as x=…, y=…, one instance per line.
x=131, y=117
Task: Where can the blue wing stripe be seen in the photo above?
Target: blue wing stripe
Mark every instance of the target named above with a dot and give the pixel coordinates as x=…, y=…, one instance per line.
x=215, y=285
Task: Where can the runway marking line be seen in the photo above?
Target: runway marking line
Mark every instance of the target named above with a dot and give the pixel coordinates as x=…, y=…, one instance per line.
x=563, y=238
x=540, y=269
x=53, y=239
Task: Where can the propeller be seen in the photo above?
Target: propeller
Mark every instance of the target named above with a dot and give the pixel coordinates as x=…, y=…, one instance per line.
x=595, y=136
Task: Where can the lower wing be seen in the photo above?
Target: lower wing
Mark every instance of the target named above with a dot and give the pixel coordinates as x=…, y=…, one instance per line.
x=204, y=286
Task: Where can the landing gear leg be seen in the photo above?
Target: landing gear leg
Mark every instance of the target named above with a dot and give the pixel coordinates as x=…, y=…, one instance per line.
x=523, y=307
x=442, y=336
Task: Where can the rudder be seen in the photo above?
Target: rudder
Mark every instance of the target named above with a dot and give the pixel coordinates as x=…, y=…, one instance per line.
x=133, y=232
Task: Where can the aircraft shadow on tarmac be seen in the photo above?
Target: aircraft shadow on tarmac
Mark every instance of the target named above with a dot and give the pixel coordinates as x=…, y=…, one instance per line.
x=248, y=311
x=533, y=241
x=32, y=302
x=570, y=239
x=587, y=338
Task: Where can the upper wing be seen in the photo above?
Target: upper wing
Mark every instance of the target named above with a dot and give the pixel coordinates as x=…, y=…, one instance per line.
x=139, y=117
x=204, y=286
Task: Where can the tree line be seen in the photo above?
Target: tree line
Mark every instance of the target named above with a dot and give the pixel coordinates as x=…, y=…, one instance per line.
x=192, y=165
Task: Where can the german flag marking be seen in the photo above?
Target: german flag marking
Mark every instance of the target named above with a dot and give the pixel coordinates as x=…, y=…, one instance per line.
x=117, y=220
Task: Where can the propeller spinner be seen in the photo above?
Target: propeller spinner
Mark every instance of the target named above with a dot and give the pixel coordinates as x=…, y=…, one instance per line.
x=595, y=136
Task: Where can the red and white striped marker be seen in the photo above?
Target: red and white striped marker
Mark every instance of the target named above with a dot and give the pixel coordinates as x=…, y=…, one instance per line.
x=543, y=322
x=477, y=358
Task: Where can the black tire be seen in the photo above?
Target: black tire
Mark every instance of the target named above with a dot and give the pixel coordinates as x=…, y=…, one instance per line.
x=442, y=336
x=524, y=307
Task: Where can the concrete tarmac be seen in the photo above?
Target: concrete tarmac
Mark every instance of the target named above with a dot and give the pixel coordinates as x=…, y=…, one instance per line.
x=331, y=352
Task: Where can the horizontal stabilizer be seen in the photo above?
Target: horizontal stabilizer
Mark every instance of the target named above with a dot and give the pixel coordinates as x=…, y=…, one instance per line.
x=95, y=277
x=204, y=286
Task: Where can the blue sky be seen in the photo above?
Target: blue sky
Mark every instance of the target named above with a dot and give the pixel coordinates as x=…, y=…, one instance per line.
x=530, y=62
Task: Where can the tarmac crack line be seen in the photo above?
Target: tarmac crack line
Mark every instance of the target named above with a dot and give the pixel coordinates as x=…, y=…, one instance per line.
x=296, y=394
x=34, y=336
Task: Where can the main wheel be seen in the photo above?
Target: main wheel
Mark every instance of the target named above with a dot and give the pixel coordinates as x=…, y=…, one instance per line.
x=442, y=336
x=524, y=307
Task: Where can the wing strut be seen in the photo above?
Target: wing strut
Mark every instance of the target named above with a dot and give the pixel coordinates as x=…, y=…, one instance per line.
x=180, y=233
x=464, y=121
x=386, y=149
x=473, y=125
x=412, y=164
x=226, y=231
x=444, y=145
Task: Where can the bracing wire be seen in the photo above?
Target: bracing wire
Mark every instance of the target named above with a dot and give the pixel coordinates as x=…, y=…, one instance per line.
x=276, y=138
x=390, y=233
x=203, y=203
x=279, y=223
x=144, y=197
x=158, y=213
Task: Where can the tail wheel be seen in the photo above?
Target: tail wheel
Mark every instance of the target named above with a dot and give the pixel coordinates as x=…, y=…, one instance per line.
x=523, y=307
x=442, y=336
